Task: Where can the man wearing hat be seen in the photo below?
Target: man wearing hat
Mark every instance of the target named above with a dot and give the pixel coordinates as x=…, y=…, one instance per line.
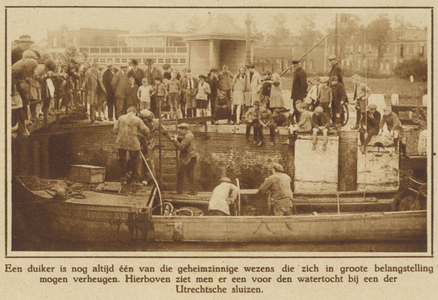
x=184, y=141
x=299, y=86
x=119, y=85
x=108, y=76
x=372, y=120
x=223, y=195
x=23, y=44
x=151, y=73
x=279, y=186
x=129, y=128
x=336, y=69
x=136, y=72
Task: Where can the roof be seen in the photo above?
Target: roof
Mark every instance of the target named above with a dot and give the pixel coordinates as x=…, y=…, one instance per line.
x=219, y=27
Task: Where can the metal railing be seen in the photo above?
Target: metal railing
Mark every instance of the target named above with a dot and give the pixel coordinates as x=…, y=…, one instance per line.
x=118, y=50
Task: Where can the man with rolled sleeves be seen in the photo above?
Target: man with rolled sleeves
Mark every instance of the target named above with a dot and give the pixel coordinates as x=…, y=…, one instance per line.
x=299, y=86
x=223, y=195
x=184, y=141
x=129, y=129
x=120, y=85
x=279, y=186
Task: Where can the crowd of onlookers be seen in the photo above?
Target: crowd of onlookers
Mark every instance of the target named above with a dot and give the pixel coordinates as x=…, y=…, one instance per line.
x=44, y=85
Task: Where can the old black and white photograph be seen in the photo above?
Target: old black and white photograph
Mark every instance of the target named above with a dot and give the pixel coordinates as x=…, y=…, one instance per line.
x=214, y=130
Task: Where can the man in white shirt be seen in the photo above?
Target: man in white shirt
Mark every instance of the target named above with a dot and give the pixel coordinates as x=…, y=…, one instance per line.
x=224, y=194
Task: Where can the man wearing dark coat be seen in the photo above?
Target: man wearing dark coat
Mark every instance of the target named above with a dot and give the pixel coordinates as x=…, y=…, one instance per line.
x=111, y=98
x=24, y=43
x=336, y=69
x=119, y=85
x=299, y=86
x=136, y=72
x=151, y=73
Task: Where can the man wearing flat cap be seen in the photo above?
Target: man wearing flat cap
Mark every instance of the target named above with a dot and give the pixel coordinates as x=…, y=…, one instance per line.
x=336, y=68
x=372, y=120
x=120, y=85
x=299, y=86
x=184, y=141
x=223, y=195
x=23, y=44
x=279, y=185
x=108, y=76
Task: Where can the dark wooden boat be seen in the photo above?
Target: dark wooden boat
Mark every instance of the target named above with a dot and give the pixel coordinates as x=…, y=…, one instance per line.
x=136, y=215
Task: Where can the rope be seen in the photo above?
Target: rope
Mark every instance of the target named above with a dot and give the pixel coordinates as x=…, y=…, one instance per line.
x=155, y=180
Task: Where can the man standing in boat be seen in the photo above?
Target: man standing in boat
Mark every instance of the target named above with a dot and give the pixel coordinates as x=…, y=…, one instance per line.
x=223, y=195
x=278, y=184
x=185, y=143
x=129, y=129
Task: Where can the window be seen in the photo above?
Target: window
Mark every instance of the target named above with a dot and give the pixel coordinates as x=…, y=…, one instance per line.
x=168, y=60
x=160, y=60
x=117, y=60
x=175, y=60
x=96, y=60
x=124, y=60
x=422, y=50
x=54, y=42
x=182, y=60
x=102, y=60
x=310, y=65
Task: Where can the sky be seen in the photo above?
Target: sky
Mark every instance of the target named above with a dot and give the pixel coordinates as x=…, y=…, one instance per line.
x=36, y=21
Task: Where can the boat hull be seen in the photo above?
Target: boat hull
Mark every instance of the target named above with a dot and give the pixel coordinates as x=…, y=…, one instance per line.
x=366, y=227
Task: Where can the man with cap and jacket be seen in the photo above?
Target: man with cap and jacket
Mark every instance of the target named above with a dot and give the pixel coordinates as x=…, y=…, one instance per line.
x=336, y=68
x=184, y=141
x=279, y=186
x=129, y=128
x=120, y=85
x=108, y=76
x=299, y=86
x=223, y=195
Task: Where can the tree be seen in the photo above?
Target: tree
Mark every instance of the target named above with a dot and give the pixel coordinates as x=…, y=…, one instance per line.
x=308, y=33
x=378, y=35
x=281, y=32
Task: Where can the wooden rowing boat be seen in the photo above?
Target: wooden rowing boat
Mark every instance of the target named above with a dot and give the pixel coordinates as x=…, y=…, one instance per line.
x=108, y=217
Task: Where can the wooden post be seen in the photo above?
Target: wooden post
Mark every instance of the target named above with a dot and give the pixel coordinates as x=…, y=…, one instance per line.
x=347, y=175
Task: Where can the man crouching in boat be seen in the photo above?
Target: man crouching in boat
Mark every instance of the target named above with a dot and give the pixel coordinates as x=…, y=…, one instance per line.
x=223, y=195
x=281, y=193
x=129, y=129
x=188, y=157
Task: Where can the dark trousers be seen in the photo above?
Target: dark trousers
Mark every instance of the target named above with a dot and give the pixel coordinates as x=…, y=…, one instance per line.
x=186, y=171
x=258, y=130
x=183, y=106
x=133, y=164
x=111, y=102
x=191, y=112
x=371, y=132
x=212, y=105
x=154, y=105
x=271, y=132
x=120, y=107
